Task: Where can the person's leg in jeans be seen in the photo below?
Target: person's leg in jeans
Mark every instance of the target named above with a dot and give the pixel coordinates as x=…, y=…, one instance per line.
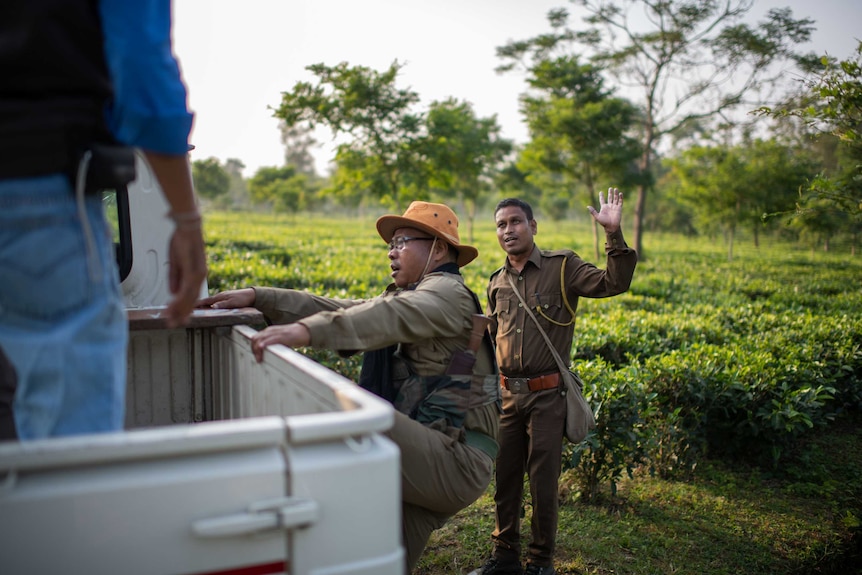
x=62, y=319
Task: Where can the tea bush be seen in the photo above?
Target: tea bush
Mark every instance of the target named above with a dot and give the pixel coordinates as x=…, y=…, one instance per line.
x=740, y=359
x=701, y=357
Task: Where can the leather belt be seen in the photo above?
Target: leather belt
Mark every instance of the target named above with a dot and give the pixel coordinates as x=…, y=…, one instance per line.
x=530, y=384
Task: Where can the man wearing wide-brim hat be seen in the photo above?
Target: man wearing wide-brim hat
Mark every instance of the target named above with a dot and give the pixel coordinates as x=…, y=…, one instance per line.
x=446, y=422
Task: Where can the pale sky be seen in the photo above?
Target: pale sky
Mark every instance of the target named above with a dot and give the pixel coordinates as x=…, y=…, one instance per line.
x=237, y=57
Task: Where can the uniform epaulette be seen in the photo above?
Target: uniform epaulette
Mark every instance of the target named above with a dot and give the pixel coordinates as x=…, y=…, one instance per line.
x=554, y=253
x=496, y=271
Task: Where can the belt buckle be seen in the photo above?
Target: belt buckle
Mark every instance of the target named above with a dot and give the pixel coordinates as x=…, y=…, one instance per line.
x=518, y=384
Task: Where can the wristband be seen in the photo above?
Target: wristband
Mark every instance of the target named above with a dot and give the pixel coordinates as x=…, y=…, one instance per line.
x=187, y=221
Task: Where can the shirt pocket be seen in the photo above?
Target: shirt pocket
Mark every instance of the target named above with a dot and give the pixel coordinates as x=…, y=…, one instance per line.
x=504, y=315
x=549, y=309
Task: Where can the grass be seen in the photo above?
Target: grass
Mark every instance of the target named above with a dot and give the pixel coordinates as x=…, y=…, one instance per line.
x=724, y=520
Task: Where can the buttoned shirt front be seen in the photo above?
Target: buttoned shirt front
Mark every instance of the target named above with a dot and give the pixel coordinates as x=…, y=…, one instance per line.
x=521, y=349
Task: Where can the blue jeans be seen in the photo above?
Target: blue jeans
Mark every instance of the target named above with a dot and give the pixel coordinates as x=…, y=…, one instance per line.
x=62, y=319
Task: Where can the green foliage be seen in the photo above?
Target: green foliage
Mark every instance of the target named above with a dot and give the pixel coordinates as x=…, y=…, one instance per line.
x=616, y=445
x=462, y=150
x=580, y=134
x=382, y=157
x=210, y=178
x=284, y=189
x=325, y=256
x=744, y=358
x=833, y=105
x=733, y=187
x=692, y=62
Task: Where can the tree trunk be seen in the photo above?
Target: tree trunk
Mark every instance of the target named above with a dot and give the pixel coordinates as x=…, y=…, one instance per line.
x=593, y=199
x=730, y=238
x=640, y=204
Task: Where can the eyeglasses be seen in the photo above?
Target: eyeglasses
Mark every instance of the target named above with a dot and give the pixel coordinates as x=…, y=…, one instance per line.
x=400, y=243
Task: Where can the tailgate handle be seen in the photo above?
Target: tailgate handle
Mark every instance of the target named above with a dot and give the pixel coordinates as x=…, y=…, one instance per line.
x=269, y=515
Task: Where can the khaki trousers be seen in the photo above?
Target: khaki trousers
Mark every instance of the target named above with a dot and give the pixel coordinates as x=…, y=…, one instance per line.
x=440, y=476
x=531, y=441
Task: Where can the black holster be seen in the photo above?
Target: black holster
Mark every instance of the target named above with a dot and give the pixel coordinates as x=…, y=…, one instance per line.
x=111, y=167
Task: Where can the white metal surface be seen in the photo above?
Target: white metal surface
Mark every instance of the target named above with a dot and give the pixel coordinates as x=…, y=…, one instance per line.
x=293, y=474
x=147, y=282
x=106, y=510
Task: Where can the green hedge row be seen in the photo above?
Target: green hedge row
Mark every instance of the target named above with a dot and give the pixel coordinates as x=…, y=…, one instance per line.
x=701, y=369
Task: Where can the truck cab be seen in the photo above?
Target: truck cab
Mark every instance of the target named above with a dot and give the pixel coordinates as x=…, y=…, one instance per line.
x=225, y=465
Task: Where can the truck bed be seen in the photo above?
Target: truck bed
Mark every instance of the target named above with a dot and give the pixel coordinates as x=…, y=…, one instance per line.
x=227, y=466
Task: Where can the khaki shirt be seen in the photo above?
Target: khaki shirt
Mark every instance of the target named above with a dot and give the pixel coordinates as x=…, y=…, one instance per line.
x=521, y=349
x=431, y=322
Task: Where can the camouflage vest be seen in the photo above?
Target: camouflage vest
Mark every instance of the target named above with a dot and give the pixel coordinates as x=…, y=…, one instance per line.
x=430, y=399
x=442, y=401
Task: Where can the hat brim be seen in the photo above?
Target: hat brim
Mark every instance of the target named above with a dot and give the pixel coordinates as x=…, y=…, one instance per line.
x=386, y=226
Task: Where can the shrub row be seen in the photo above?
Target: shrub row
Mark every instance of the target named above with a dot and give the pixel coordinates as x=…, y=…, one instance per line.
x=743, y=383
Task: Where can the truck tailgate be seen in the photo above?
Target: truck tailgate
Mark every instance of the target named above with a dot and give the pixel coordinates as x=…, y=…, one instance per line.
x=294, y=478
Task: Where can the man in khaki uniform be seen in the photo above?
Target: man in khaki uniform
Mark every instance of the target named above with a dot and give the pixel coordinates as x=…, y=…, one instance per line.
x=534, y=411
x=447, y=415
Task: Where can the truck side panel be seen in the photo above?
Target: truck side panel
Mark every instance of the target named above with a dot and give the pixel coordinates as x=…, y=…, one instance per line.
x=134, y=515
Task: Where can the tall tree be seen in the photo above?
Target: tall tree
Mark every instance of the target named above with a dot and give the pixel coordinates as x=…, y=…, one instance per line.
x=734, y=187
x=365, y=106
x=210, y=178
x=690, y=60
x=462, y=150
x=511, y=181
x=238, y=190
x=578, y=129
x=298, y=143
x=284, y=188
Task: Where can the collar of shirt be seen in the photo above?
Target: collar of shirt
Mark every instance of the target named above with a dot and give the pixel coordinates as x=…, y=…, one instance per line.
x=535, y=258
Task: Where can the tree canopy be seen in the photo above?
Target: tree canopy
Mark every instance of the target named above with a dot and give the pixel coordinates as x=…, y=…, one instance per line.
x=833, y=107
x=462, y=150
x=366, y=106
x=691, y=60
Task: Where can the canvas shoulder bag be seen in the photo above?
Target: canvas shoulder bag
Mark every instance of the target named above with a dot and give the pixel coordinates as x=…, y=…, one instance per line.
x=579, y=416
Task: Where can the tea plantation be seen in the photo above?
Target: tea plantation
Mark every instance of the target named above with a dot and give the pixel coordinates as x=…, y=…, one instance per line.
x=728, y=395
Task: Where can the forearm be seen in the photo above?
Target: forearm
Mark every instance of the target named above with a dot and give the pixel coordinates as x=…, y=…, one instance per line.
x=282, y=306
x=621, y=263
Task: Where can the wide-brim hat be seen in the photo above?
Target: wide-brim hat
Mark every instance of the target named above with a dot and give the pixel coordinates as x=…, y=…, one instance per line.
x=436, y=219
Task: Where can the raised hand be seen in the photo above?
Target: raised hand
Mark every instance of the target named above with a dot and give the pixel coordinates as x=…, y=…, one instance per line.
x=610, y=213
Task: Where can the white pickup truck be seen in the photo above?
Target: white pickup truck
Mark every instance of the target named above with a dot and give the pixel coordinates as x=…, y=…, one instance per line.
x=226, y=466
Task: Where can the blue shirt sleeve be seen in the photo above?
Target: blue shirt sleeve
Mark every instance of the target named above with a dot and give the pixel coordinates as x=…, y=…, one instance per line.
x=149, y=109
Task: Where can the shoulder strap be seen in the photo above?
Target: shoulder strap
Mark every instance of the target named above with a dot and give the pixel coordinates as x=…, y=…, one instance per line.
x=563, y=289
x=554, y=352
x=565, y=299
